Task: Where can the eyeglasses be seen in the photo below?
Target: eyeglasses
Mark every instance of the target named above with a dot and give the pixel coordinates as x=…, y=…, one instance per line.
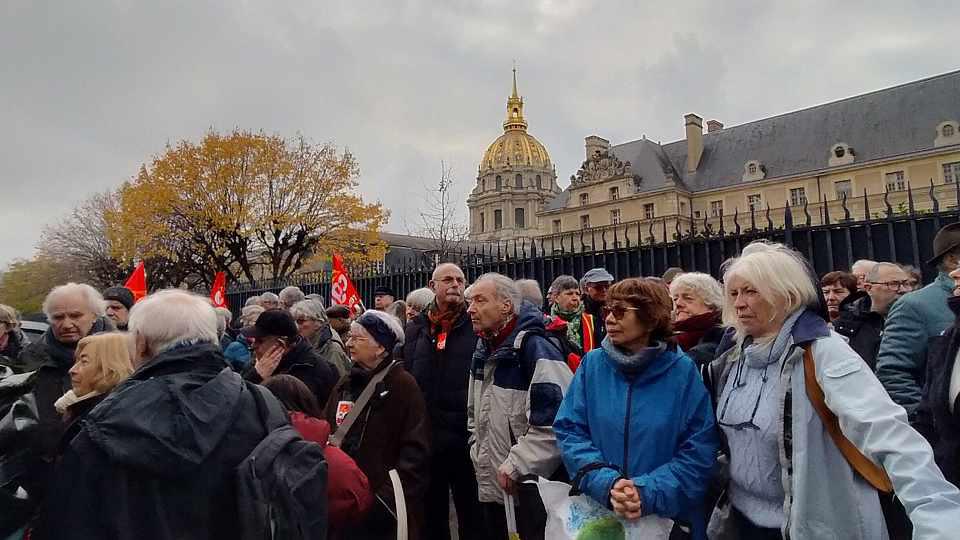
x=303, y=320
x=906, y=284
x=737, y=384
x=618, y=311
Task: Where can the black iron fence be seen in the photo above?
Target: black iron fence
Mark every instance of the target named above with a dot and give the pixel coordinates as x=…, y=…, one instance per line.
x=894, y=226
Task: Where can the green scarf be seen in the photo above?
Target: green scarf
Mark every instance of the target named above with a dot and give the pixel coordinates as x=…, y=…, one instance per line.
x=573, y=322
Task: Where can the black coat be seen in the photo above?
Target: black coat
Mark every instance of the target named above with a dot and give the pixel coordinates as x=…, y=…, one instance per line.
x=864, y=329
x=443, y=377
x=933, y=417
x=303, y=362
x=157, y=458
x=596, y=309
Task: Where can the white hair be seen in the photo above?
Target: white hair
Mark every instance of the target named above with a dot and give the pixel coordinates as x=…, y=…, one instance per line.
x=269, y=297
x=505, y=289
x=172, y=317
x=224, y=316
x=91, y=296
x=530, y=290
x=702, y=285
x=249, y=315
x=252, y=301
x=874, y=273
x=420, y=298
x=291, y=295
x=309, y=309
x=779, y=274
x=863, y=265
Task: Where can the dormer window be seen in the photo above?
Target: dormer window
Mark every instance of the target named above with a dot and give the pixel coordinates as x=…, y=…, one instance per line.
x=840, y=154
x=753, y=170
x=948, y=133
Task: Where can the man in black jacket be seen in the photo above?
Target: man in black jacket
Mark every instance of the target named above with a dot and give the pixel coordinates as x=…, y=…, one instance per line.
x=594, y=285
x=862, y=315
x=157, y=458
x=438, y=349
x=279, y=348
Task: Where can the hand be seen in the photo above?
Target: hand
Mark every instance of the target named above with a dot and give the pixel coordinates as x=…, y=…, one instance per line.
x=625, y=499
x=507, y=484
x=268, y=363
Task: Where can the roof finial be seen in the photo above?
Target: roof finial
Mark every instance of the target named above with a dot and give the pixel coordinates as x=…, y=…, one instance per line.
x=515, y=95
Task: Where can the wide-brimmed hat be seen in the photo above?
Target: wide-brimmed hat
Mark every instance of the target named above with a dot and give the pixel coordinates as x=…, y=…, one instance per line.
x=947, y=238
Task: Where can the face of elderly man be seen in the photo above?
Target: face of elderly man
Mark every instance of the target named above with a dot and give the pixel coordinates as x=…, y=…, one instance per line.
x=70, y=317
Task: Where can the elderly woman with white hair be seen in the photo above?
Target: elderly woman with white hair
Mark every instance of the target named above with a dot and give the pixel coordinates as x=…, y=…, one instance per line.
x=417, y=301
x=697, y=305
x=810, y=433
x=380, y=420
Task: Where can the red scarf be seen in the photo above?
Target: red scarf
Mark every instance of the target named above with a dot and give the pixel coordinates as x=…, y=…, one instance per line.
x=441, y=322
x=502, y=335
x=689, y=332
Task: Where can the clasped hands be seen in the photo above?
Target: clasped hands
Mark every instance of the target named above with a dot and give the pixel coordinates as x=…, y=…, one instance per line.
x=625, y=499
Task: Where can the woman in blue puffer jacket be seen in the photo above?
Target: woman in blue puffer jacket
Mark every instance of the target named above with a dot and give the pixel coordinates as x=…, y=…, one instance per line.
x=636, y=428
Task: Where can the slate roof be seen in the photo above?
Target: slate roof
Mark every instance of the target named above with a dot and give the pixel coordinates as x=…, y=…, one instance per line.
x=885, y=123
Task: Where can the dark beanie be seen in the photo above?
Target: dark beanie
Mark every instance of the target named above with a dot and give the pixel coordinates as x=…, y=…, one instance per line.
x=119, y=294
x=378, y=330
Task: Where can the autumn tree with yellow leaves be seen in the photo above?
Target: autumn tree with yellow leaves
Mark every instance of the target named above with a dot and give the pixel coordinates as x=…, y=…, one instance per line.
x=250, y=204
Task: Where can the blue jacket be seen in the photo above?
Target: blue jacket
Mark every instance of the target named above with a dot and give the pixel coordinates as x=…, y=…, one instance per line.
x=912, y=321
x=657, y=428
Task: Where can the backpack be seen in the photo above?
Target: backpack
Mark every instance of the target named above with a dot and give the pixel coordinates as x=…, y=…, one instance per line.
x=282, y=483
x=557, y=336
x=19, y=423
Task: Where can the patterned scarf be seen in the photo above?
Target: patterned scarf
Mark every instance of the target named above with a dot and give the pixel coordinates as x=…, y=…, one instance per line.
x=574, y=326
x=441, y=322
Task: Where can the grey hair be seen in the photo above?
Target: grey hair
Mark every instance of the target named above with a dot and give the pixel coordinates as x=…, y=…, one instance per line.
x=564, y=283
x=505, y=289
x=702, y=285
x=874, y=273
x=309, y=309
x=171, y=317
x=420, y=298
x=291, y=295
x=223, y=320
x=863, y=263
x=249, y=315
x=315, y=298
x=530, y=290
x=252, y=301
x=91, y=296
x=269, y=297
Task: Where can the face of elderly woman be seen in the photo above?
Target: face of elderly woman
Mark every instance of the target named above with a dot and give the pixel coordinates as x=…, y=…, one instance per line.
x=569, y=299
x=83, y=374
x=624, y=327
x=363, y=349
x=758, y=317
x=70, y=318
x=687, y=303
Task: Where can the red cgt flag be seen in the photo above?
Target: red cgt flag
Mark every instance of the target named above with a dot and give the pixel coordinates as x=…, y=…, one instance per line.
x=218, y=293
x=137, y=282
x=342, y=290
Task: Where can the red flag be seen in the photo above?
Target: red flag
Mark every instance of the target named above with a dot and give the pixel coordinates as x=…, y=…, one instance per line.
x=218, y=293
x=342, y=290
x=137, y=282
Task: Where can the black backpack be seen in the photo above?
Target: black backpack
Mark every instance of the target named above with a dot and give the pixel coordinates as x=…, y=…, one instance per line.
x=282, y=484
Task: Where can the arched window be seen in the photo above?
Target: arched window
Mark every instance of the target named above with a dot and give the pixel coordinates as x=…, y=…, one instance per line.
x=948, y=130
x=518, y=181
x=539, y=182
x=518, y=220
x=499, y=183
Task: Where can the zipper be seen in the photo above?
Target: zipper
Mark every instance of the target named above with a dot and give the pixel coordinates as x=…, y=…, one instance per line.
x=626, y=429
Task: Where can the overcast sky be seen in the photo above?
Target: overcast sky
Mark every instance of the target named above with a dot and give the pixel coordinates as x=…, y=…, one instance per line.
x=90, y=90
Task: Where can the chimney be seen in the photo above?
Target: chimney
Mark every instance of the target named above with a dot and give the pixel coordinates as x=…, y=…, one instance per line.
x=714, y=125
x=594, y=144
x=694, y=126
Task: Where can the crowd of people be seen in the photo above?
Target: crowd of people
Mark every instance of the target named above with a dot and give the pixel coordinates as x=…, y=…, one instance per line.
x=769, y=404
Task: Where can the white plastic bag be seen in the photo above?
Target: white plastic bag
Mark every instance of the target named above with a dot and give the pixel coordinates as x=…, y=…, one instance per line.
x=582, y=518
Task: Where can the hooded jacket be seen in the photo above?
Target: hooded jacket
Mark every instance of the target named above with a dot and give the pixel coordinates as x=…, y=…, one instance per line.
x=443, y=377
x=912, y=321
x=824, y=496
x=605, y=418
x=157, y=458
x=329, y=347
x=515, y=391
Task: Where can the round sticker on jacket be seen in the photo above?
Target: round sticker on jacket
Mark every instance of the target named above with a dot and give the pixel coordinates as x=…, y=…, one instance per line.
x=343, y=409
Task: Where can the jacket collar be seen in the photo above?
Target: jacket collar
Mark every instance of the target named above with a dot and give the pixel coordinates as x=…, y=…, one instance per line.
x=809, y=327
x=943, y=281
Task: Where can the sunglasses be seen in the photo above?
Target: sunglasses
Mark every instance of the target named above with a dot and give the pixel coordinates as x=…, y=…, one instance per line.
x=618, y=311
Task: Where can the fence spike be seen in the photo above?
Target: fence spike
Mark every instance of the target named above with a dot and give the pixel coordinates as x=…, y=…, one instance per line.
x=806, y=210
x=593, y=240
x=956, y=189
x=664, y=220
x=706, y=225
x=676, y=226
x=933, y=197
x=843, y=205
x=721, y=231
x=616, y=241
x=886, y=201
x=753, y=219
x=769, y=221
x=736, y=215
x=826, y=210
x=603, y=238
x=910, y=198
x=787, y=224
x=514, y=248
x=866, y=205
x=651, y=232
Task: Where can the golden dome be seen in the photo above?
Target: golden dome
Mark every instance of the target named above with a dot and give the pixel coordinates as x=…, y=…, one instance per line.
x=516, y=147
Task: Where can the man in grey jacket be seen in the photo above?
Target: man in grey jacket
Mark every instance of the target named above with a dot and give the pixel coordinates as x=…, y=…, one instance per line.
x=913, y=320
